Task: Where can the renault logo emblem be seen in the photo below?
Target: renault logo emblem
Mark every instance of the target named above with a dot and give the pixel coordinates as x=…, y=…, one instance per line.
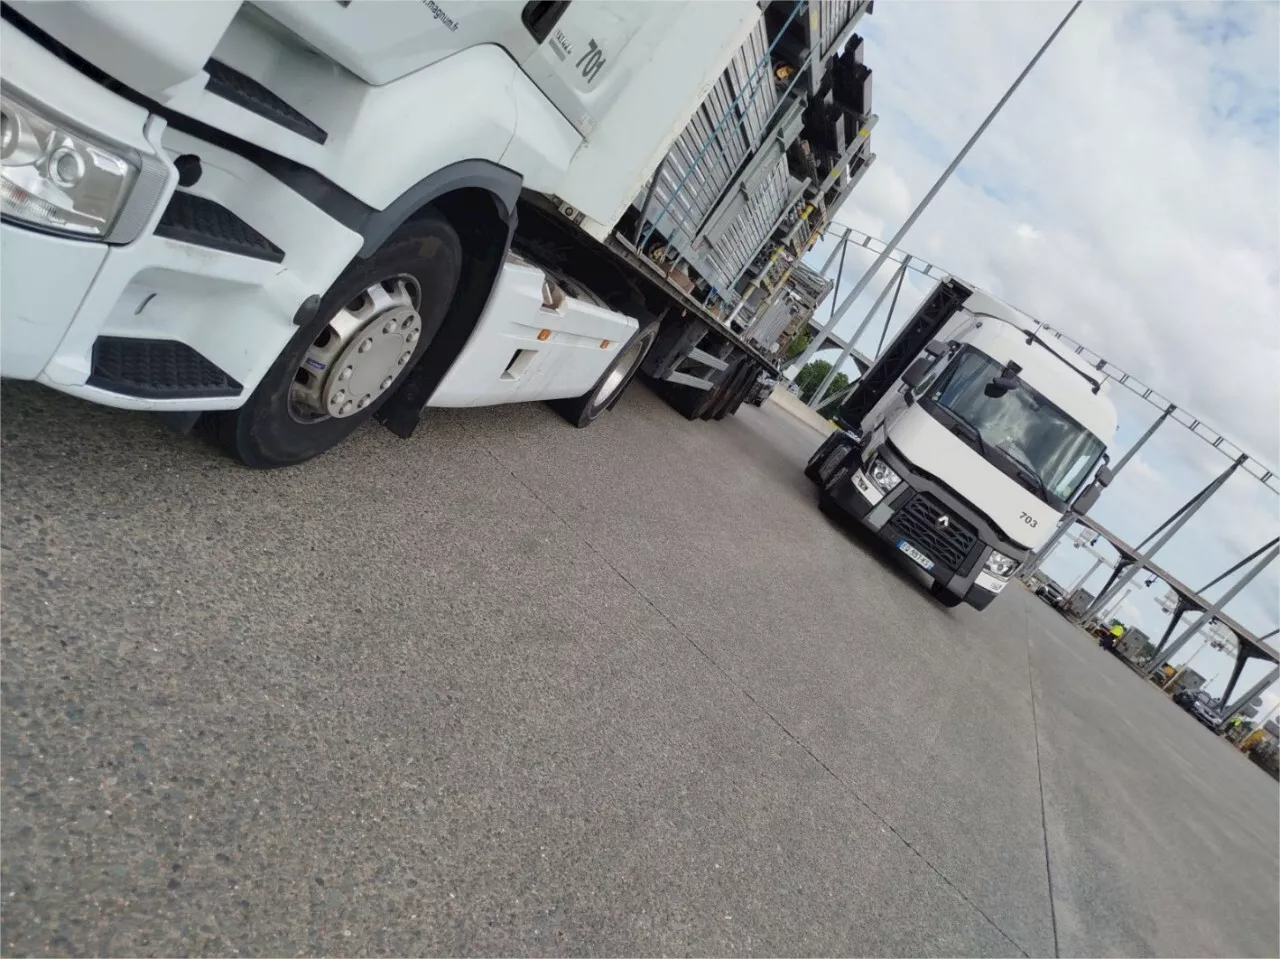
x=943, y=522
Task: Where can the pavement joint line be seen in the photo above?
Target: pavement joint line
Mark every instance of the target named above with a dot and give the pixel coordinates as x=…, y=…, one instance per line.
x=1044, y=818
x=777, y=722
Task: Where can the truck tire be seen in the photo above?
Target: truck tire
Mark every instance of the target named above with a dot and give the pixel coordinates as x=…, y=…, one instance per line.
x=815, y=461
x=689, y=401
x=582, y=411
x=827, y=456
x=733, y=395
x=372, y=326
x=725, y=392
x=748, y=384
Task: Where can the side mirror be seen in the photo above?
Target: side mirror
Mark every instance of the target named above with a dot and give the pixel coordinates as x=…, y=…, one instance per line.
x=1087, y=498
x=1001, y=385
x=936, y=348
x=1005, y=381
x=1105, y=476
x=916, y=372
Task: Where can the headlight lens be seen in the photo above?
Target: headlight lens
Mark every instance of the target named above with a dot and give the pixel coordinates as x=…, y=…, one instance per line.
x=1000, y=564
x=57, y=177
x=883, y=476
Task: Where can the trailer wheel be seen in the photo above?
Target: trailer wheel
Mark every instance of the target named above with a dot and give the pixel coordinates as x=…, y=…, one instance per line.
x=749, y=376
x=706, y=400
x=731, y=390
x=723, y=392
x=583, y=410
x=372, y=327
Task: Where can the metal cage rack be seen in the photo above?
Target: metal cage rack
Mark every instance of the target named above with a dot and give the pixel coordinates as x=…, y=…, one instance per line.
x=740, y=196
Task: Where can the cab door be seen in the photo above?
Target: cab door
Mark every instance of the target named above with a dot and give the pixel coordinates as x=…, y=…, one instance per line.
x=590, y=49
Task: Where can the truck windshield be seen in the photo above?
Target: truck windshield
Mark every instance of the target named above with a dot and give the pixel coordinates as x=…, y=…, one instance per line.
x=1022, y=424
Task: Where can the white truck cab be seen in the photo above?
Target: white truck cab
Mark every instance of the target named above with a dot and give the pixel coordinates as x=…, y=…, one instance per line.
x=973, y=449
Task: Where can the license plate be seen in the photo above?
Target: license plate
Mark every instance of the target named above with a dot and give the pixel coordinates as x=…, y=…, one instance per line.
x=915, y=554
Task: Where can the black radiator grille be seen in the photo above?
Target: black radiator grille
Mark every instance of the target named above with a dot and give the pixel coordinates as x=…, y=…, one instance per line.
x=947, y=544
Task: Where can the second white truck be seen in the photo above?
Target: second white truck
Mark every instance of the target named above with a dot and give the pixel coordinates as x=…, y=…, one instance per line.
x=966, y=441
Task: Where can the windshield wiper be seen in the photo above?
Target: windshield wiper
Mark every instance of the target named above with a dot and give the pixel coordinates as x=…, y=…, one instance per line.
x=1028, y=470
x=972, y=430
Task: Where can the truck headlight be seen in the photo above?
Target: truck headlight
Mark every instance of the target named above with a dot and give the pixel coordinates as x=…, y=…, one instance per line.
x=57, y=177
x=999, y=564
x=884, y=477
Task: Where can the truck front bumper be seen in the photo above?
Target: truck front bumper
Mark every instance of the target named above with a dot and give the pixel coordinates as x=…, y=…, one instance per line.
x=84, y=315
x=959, y=570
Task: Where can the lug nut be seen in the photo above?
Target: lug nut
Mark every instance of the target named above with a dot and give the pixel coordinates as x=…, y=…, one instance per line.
x=346, y=374
x=366, y=346
x=346, y=408
x=411, y=336
x=339, y=396
x=387, y=382
x=389, y=326
x=404, y=357
x=364, y=400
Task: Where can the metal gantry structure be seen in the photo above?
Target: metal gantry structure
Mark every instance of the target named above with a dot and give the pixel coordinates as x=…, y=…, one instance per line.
x=839, y=309
x=1132, y=561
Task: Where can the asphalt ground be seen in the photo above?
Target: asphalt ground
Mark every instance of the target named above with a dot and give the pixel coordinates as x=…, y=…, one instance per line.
x=514, y=688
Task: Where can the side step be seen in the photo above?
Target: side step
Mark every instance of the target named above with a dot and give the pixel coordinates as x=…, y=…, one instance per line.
x=157, y=369
x=202, y=222
x=246, y=92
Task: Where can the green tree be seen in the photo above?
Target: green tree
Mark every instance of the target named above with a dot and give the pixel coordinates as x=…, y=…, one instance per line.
x=811, y=376
x=797, y=346
x=838, y=385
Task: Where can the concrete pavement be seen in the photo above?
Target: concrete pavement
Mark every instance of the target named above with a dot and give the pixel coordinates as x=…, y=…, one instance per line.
x=510, y=687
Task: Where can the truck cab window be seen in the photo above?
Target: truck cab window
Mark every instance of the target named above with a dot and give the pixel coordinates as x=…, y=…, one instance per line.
x=1022, y=426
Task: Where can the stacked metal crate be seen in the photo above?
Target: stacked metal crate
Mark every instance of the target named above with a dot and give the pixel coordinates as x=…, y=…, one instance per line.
x=778, y=315
x=697, y=171
x=810, y=285
x=728, y=200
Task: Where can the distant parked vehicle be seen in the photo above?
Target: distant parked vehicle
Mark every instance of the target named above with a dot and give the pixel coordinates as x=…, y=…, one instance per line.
x=1202, y=706
x=1184, y=698
x=1051, y=593
x=761, y=390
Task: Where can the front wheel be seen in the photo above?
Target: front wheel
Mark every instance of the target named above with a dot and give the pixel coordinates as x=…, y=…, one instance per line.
x=372, y=327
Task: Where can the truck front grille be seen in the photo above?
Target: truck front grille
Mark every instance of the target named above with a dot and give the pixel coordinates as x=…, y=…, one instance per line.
x=947, y=544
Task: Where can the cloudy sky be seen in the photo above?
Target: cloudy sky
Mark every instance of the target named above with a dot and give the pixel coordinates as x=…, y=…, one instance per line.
x=1128, y=195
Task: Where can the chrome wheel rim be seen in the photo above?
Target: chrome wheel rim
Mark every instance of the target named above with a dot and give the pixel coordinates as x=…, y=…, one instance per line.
x=360, y=353
x=631, y=356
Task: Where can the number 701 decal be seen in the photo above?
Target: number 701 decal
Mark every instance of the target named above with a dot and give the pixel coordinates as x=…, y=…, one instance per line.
x=591, y=62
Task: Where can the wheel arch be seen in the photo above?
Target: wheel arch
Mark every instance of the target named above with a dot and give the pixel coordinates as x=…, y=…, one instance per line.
x=477, y=200
x=479, y=181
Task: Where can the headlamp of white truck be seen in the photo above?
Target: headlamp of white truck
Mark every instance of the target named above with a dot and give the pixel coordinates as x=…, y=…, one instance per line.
x=884, y=477
x=57, y=177
x=999, y=564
